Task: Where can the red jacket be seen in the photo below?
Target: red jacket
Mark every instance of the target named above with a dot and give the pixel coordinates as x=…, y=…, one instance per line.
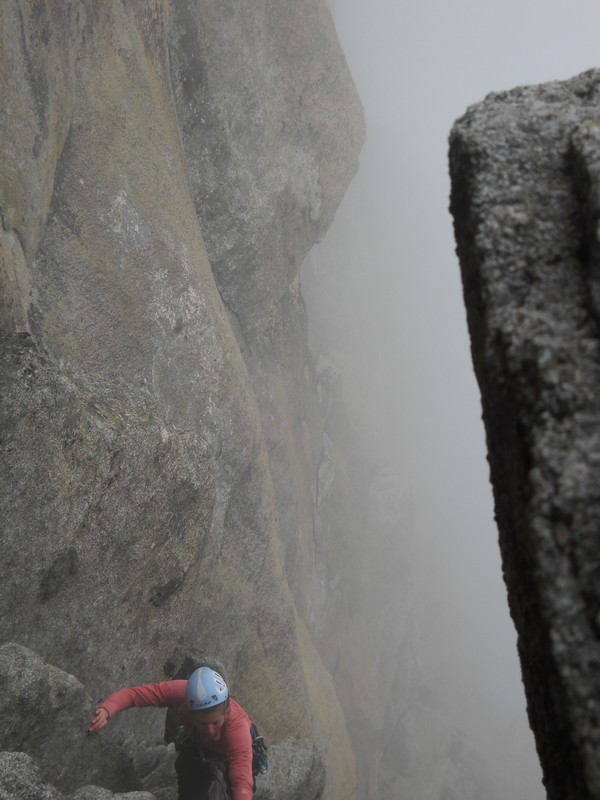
x=235, y=741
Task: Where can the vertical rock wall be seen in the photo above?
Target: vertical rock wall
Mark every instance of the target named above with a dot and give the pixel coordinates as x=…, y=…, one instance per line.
x=165, y=168
x=525, y=169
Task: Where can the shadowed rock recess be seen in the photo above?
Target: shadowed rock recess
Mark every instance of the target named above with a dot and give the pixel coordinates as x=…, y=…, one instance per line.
x=165, y=167
x=525, y=169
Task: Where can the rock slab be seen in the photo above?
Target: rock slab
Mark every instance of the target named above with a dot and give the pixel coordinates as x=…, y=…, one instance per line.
x=525, y=169
x=165, y=168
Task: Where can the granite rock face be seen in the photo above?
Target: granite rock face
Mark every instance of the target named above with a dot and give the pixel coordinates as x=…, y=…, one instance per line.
x=525, y=169
x=20, y=779
x=165, y=168
x=45, y=714
x=296, y=770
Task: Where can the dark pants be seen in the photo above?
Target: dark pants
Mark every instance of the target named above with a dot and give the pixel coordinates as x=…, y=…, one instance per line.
x=200, y=776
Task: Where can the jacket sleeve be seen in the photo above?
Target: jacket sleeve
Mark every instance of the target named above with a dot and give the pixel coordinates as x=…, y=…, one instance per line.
x=239, y=745
x=162, y=695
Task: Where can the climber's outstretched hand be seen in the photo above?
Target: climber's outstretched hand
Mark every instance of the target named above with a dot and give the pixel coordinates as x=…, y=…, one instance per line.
x=99, y=720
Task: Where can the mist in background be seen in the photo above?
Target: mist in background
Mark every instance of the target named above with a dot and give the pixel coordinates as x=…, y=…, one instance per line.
x=384, y=296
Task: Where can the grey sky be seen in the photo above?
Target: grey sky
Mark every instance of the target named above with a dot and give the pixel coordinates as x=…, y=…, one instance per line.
x=389, y=282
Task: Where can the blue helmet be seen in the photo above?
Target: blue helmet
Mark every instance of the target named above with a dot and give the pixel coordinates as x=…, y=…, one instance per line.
x=205, y=689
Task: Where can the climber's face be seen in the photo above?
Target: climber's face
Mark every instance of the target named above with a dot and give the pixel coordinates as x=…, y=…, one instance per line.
x=208, y=724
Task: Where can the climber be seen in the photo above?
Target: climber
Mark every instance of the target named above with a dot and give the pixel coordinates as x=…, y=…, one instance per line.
x=216, y=749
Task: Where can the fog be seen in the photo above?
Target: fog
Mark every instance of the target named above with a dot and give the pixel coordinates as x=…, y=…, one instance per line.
x=387, y=282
